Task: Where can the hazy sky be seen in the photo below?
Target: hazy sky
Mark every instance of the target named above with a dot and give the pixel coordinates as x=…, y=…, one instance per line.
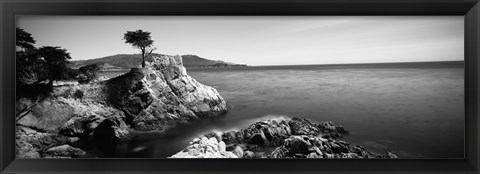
x=260, y=40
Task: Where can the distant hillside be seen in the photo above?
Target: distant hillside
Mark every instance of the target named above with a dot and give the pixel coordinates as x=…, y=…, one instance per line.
x=126, y=61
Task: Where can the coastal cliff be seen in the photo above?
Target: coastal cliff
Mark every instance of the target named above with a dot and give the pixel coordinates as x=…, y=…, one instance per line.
x=155, y=98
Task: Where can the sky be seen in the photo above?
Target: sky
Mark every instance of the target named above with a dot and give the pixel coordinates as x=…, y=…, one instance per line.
x=260, y=40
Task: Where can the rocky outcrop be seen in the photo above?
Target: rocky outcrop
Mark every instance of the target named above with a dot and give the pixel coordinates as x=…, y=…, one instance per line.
x=293, y=138
x=162, y=95
x=64, y=151
x=205, y=148
x=154, y=98
x=273, y=132
x=33, y=144
x=309, y=146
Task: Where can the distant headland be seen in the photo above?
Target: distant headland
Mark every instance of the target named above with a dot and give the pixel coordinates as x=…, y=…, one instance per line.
x=127, y=61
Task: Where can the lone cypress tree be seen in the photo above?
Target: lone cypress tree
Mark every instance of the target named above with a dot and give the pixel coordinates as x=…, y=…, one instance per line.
x=141, y=40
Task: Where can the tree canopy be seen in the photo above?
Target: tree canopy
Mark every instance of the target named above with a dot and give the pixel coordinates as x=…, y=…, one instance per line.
x=56, y=60
x=87, y=73
x=142, y=40
x=54, y=55
x=36, y=65
x=29, y=68
x=24, y=40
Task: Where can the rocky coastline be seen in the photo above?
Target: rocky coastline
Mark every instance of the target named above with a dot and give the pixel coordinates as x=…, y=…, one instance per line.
x=155, y=98
x=289, y=138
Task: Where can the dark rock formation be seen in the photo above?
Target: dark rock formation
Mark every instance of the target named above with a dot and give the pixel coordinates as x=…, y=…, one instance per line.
x=33, y=144
x=154, y=98
x=294, y=138
x=309, y=146
x=273, y=133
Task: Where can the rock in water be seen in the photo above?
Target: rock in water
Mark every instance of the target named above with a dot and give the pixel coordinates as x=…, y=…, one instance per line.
x=249, y=154
x=308, y=146
x=238, y=151
x=273, y=133
x=301, y=126
x=298, y=145
x=205, y=148
x=154, y=98
x=289, y=138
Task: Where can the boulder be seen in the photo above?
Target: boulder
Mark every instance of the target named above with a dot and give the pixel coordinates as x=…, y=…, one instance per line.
x=231, y=137
x=297, y=145
x=205, y=148
x=72, y=116
x=249, y=154
x=316, y=150
x=238, y=151
x=302, y=126
x=258, y=139
x=105, y=123
x=30, y=143
x=339, y=147
x=111, y=130
x=313, y=155
x=222, y=147
x=64, y=151
x=280, y=152
x=24, y=150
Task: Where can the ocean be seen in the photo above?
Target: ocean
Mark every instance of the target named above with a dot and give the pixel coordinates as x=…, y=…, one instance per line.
x=414, y=110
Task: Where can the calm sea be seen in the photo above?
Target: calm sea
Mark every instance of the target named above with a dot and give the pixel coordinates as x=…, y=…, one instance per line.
x=415, y=110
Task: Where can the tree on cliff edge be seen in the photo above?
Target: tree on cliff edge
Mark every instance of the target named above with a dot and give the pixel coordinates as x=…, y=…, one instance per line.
x=142, y=40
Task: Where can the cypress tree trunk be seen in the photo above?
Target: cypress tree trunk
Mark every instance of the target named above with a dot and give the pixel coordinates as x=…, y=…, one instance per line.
x=143, y=58
x=50, y=83
x=50, y=74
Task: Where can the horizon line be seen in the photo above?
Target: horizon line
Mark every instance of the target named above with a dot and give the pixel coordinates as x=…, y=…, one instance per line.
x=360, y=63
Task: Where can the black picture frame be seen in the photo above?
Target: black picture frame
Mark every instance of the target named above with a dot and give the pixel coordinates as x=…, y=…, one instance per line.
x=470, y=9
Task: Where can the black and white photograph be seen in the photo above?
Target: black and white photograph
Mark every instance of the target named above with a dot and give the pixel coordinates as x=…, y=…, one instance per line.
x=323, y=87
